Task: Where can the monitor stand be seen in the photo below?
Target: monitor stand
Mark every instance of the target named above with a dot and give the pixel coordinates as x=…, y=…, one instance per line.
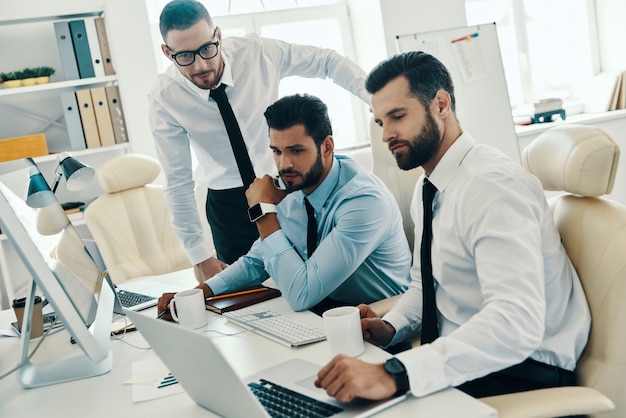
x=32, y=375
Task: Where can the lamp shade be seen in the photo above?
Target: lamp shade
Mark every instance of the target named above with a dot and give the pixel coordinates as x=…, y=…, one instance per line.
x=77, y=175
x=39, y=194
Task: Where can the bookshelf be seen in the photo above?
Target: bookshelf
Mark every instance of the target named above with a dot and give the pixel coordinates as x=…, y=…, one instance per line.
x=28, y=39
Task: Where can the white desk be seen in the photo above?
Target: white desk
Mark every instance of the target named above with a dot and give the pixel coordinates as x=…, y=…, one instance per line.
x=106, y=396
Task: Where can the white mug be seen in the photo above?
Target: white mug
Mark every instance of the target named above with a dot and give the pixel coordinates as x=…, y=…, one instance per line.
x=343, y=331
x=188, y=309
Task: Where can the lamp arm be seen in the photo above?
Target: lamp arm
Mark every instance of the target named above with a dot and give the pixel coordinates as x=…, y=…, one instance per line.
x=57, y=177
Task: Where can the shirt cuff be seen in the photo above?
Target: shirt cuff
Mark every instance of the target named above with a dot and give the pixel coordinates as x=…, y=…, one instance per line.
x=273, y=245
x=425, y=368
x=400, y=324
x=199, y=253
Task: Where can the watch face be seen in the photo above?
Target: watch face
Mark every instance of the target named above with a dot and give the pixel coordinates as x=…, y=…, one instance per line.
x=394, y=367
x=255, y=212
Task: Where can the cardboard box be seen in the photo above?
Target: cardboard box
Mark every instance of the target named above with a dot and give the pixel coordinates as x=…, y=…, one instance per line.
x=23, y=146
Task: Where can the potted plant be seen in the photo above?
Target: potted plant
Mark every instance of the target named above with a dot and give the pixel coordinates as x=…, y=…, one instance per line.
x=27, y=75
x=42, y=74
x=11, y=79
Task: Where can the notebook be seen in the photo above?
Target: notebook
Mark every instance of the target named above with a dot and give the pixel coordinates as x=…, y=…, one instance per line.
x=195, y=356
x=241, y=299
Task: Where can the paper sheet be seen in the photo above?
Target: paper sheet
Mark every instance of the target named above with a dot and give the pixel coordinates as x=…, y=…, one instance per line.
x=152, y=380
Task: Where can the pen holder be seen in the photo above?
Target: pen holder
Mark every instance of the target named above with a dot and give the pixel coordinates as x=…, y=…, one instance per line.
x=36, y=328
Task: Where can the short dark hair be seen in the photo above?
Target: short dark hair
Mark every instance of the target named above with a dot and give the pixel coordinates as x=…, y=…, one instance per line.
x=300, y=109
x=425, y=73
x=181, y=15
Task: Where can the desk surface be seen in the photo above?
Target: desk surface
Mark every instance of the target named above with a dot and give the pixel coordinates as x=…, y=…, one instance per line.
x=103, y=395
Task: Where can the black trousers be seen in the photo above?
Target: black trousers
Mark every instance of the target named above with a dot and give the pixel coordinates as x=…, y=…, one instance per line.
x=528, y=375
x=227, y=213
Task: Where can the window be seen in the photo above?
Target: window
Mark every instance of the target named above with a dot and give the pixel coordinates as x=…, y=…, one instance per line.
x=323, y=23
x=548, y=47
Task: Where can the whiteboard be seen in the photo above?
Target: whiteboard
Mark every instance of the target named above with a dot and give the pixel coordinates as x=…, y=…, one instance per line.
x=472, y=55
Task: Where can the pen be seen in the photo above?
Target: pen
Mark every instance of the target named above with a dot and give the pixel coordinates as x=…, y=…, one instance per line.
x=466, y=37
x=243, y=292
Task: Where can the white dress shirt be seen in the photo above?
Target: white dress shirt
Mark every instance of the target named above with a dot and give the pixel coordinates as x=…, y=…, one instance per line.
x=182, y=118
x=505, y=288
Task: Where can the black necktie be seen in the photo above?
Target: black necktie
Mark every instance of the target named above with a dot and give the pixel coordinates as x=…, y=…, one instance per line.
x=430, y=329
x=234, y=134
x=311, y=229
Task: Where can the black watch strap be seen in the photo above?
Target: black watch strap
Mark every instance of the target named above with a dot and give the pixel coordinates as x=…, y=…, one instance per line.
x=396, y=369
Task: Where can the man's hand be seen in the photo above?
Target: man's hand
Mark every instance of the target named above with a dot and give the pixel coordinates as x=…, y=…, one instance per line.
x=346, y=378
x=264, y=190
x=375, y=330
x=208, y=268
x=165, y=299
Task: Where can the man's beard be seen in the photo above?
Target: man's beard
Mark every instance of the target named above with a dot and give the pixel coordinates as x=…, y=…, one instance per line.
x=421, y=148
x=310, y=178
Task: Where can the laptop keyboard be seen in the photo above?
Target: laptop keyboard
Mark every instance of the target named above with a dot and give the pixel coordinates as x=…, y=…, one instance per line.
x=281, y=402
x=275, y=326
x=130, y=299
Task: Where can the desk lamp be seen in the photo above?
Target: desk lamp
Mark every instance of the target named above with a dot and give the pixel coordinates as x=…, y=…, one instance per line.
x=39, y=194
x=77, y=175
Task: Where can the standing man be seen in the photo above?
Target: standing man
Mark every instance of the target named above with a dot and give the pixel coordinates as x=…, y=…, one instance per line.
x=190, y=107
x=507, y=311
x=333, y=236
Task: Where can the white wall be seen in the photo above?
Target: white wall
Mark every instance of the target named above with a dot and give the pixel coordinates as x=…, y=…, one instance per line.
x=611, y=17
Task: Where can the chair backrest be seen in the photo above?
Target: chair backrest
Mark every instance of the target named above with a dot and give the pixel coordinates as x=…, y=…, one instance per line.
x=582, y=162
x=401, y=183
x=130, y=222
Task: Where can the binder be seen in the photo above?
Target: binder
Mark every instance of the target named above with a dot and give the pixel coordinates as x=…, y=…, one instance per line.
x=66, y=50
x=105, y=51
x=81, y=48
x=103, y=117
x=88, y=118
x=117, y=114
x=94, y=46
x=73, y=124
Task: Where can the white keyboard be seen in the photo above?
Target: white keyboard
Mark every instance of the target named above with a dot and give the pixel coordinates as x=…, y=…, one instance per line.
x=275, y=326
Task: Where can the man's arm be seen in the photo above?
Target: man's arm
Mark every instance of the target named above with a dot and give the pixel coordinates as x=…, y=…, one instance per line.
x=174, y=153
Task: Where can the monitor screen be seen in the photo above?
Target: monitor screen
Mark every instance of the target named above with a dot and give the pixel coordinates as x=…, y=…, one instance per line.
x=58, y=243
x=62, y=270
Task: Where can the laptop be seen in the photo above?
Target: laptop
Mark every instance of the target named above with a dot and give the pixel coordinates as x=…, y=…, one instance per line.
x=195, y=356
x=130, y=297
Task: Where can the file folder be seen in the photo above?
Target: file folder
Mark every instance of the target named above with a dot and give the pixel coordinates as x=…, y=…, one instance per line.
x=73, y=124
x=103, y=117
x=88, y=118
x=81, y=48
x=105, y=51
x=66, y=50
x=117, y=114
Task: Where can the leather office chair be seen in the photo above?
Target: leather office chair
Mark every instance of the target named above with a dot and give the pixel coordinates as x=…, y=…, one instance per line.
x=582, y=161
x=130, y=222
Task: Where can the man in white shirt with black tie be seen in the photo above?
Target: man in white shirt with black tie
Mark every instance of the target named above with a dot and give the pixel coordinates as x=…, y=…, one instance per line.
x=183, y=117
x=510, y=310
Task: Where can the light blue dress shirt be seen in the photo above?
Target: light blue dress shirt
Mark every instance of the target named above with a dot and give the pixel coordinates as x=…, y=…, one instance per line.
x=362, y=256
x=183, y=118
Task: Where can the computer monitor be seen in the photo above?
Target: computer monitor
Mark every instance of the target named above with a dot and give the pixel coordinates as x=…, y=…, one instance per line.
x=63, y=271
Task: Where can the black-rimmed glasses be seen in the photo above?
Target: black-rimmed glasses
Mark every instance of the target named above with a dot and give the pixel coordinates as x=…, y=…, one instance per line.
x=206, y=51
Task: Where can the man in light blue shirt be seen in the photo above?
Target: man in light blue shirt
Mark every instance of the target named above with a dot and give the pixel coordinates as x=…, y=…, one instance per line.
x=362, y=254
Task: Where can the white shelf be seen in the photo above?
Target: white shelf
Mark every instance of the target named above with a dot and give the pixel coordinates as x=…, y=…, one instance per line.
x=59, y=85
x=117, y=148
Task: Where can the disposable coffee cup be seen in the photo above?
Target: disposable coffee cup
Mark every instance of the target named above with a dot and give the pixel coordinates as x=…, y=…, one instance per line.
x=36, y=324
x=343, y=331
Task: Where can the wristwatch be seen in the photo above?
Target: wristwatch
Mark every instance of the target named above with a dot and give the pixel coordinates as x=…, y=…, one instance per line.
x=259, y=210
x=396, y=369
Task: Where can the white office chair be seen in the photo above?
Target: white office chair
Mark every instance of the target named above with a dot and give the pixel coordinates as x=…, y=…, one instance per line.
x=131, y=223
x=582, y=161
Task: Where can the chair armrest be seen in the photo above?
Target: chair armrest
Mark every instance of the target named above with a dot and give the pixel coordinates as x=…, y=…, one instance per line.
x=552, y=402
x=381, y=307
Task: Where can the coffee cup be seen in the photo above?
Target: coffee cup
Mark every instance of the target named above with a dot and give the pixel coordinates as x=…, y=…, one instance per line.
x=343, y=331
x=188, y=309
x=36, y=324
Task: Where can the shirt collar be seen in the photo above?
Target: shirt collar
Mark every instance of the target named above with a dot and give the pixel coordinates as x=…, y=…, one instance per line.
x=443, y=173
x=319, y=196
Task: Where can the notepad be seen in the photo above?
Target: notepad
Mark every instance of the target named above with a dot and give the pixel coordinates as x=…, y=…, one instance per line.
x=240, y=299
